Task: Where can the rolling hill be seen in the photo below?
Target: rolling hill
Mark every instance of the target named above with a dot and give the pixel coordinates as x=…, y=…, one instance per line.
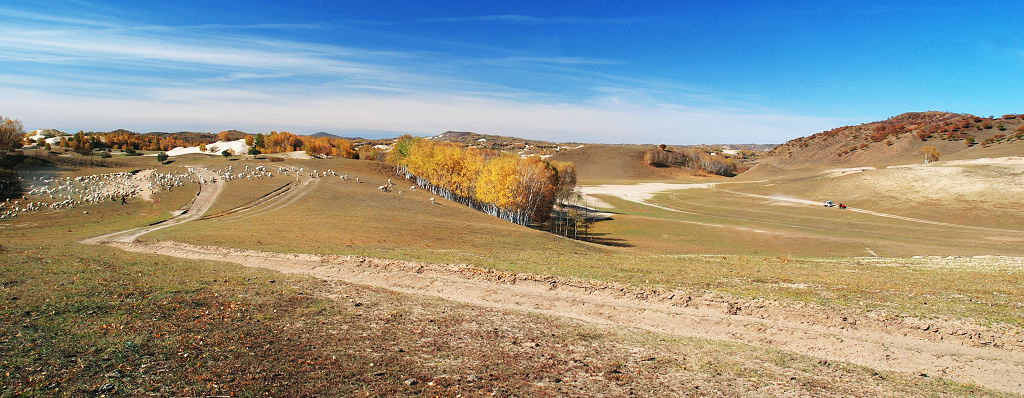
x=900, y=139
x=602, y=164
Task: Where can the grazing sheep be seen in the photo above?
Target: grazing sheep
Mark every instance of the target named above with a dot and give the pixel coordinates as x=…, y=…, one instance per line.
x=383, y=188
x=412, y=188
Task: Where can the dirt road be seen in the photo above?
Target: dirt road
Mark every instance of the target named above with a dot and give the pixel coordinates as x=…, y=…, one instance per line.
x=953, y=349
x=208, y=193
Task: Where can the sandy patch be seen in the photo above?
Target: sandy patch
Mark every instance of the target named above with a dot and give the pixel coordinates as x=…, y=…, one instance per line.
x=832, y=173
x=237, y=147
x=640, y=193
x=995, y=181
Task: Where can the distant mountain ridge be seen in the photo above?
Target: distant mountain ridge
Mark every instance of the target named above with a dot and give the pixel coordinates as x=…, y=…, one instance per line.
x=322, y=134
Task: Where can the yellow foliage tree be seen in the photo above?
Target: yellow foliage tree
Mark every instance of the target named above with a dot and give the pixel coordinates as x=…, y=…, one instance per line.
x=278, y=142
x=538, y=182
x=498, y=183
x=520, y=190
x=318, y=147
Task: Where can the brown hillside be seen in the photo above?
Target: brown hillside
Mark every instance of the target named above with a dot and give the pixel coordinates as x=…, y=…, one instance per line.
x=617, y=164
x=900, y=139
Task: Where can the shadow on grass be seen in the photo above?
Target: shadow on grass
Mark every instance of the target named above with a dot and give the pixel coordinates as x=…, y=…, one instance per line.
x=560, y=219
x=604, y=240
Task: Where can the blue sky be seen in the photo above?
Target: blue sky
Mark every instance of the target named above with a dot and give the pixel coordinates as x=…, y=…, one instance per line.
x=678, y=72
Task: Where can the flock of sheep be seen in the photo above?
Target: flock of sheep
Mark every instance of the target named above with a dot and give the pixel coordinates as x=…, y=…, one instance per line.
x=69, y=192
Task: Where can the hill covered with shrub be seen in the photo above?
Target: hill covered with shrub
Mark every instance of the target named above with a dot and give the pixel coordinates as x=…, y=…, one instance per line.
x=903, y=138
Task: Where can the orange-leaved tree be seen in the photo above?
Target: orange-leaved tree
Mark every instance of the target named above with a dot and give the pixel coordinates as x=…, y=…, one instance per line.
x=11, y=133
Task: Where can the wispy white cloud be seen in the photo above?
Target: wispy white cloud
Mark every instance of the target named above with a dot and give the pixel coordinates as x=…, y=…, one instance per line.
x=211, y=77
x=532, y=20
x=609, y=120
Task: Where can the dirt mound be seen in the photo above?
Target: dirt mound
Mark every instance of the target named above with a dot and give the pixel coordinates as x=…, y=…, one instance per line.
x=900, y=139
x=616, y=163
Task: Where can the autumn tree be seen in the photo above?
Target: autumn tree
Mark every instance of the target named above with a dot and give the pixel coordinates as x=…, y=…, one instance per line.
x=520, y=190
x=278, y=142
x=224, y=136
x=566, y=196
x=497, y=183
x=400, y=150
x=318, y=147
x=344, y=148
x=538, y=181
x=11, y=133
x=930, y=154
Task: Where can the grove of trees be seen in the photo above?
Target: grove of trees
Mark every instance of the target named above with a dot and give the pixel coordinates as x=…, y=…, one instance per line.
x=691, y=158
x=520, y=190
x=283, y=141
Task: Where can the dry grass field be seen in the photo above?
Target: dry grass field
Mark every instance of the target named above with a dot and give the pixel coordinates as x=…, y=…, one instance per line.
x=755, y=249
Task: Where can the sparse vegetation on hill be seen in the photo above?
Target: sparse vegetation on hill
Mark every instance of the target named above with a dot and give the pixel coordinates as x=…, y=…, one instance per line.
x=898, y=139
x=497, y=142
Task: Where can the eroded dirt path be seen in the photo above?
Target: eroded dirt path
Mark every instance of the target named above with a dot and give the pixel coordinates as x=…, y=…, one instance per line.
x=954, y=349
x=208, y=193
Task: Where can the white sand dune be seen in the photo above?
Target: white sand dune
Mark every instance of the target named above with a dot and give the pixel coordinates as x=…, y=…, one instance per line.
x=238, y=147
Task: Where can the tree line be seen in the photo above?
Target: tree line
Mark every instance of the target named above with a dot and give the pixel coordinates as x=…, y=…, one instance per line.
x=283, y=141
x=691, y=158
x=522, y=190
x=275, y=142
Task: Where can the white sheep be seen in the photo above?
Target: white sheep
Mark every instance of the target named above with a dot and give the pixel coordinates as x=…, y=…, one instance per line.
x=383, y=188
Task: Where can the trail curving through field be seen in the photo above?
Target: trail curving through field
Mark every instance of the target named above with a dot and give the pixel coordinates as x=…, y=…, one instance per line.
x=300, y=188
x=208, y=193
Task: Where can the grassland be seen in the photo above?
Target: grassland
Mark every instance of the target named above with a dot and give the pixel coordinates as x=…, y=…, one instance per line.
x=783, y=247
x=91, y=319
